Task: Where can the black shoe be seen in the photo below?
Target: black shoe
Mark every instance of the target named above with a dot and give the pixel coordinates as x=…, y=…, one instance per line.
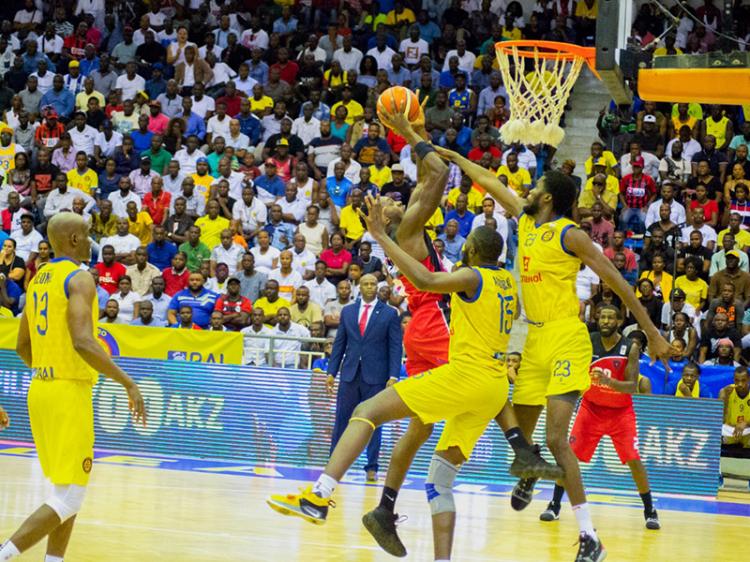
x=552, y=513
x=652, y=521
x=381, y=524
x=529, y=463
x=522, y=493
x=590, y=549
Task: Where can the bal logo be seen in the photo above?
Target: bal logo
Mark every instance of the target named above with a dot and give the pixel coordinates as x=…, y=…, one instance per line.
x=548, y=235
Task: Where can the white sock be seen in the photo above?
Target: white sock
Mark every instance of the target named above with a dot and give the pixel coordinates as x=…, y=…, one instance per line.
x=50, y=558
x=324, y=486
x=8, y=551
x=583, y=516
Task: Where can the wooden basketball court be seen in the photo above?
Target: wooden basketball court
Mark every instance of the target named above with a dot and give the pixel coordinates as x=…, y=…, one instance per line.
x=135, y=512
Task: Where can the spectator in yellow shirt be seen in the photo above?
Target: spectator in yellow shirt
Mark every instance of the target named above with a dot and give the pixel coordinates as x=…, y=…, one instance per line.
x=380, y=174
x=350, y=221
x=140, y=223
x=519, y=178
x=354, y=108
x=599, y=168
x=474, y=198
x=600, y=157
x=82, y=99
x=212, y=224
x=202, y=178
x=271, y=302
x=82, y=177
x=260, y=104
x=696, y=289
x=400, y=15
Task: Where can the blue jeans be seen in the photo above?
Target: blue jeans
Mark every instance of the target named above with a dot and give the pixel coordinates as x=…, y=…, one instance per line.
x=633, y=219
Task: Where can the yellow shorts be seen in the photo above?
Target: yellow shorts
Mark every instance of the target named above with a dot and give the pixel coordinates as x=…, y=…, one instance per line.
x=468, y=397
x=556, y=360
x=61, y=413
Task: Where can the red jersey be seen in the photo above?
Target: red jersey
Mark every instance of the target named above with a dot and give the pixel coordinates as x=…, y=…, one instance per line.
x=175, y=282
x=226, y=306
x=157, y=206
x=613, y=362
x=109, y=277
x=417, y=298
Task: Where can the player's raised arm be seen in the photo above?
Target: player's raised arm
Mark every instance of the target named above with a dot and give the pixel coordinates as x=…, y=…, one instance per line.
x=577, y=242
x=511, y=202
x=82, y=293
x=432, y=174
x=464, y=280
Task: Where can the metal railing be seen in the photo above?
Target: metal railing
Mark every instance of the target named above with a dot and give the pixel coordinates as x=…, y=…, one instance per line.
x=270, y=354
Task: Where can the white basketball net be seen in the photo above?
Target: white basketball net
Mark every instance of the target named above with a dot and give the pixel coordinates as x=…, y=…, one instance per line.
x=537, y=97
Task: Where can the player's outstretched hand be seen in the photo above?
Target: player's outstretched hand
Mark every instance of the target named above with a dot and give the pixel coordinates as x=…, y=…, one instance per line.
x=374, y=217
x=659, y=348
x=4, y=419
x=137, y=406
x=397, y=122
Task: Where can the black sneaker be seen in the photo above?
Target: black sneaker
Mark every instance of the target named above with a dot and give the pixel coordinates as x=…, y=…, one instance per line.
x=552, y=513
x=590, y=549
x=381, y=524
x=529, y=463
x=652, y=521
x=522, y=493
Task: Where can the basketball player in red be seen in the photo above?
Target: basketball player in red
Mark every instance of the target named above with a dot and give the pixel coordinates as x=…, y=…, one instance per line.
x=427, y=335
x=607, y=409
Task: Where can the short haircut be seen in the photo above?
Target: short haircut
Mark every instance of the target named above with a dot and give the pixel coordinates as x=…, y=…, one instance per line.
x=613, y=308
x=489, y=244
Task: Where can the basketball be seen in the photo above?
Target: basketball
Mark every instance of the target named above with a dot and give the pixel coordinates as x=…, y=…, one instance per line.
x=399, y=99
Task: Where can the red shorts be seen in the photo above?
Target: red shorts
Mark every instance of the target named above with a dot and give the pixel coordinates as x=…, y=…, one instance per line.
x=426, y=339
x=594, y=422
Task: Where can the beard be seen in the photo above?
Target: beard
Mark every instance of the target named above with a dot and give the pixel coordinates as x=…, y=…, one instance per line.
x=531, y=208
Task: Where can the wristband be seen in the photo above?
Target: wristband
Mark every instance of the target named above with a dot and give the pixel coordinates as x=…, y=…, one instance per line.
x=423, y=148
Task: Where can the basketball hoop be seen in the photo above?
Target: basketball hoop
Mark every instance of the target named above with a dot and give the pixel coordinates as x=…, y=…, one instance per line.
x=538, y=94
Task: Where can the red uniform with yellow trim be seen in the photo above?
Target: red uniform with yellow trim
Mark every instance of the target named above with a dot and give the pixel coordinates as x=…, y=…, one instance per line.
x=603, y=410
x=427, y=336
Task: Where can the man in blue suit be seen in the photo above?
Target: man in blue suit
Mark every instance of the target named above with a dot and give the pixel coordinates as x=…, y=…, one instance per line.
x=367, y=353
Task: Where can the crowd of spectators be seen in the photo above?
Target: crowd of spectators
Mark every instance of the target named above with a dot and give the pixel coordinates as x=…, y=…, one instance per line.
x=221, y=151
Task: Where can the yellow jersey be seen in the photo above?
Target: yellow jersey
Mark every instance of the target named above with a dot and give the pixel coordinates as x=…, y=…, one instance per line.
x=8, y=157
x=480, y=326
x=52, y=352
x=354, y=110
x=87, y=181
x=548, y=270
x=520, y=180
x=211, y=230
x=738, y=409
x=350, y=221
x=718, y=129
x=694, y=393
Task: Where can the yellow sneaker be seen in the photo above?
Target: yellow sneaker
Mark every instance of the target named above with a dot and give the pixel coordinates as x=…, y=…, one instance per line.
x=307, y=505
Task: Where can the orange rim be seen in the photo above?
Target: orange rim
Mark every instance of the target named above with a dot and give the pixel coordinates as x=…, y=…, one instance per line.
x=550, y=50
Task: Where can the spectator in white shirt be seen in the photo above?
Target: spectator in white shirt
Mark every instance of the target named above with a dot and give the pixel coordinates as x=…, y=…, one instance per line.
x=235, y=138
x=293, y=209
x=708, y=234
x=303, y=260
x=218, y=125
x=381, y=52
x=677, y=211
x=227, y=252
x=27, y=239
x=129, y=83
x=121, y=198
x=287, y=352
x=82, y=135
x=288, y=279
x=650, y=162
x=306, y=127
x=256, y=340
x=203, y=105
x=321, y=290
x=124, y=243
x=188, y=157
x=61, y=198
x=465, y=58
x=348, y=56
x=413, y=47
x=244, y=82
x=249, y=213
x=127, y=299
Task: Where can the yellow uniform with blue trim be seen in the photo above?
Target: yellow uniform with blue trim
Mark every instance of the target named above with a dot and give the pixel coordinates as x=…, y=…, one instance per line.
x=557, y=353
x=59, y=400
x=472, y=387
x=737, y=411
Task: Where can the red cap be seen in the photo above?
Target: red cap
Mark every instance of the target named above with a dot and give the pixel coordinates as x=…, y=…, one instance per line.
x=637, y=161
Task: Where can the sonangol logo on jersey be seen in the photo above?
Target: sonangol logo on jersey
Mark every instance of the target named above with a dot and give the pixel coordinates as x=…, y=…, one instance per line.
x=548, y=235
x=536, y=278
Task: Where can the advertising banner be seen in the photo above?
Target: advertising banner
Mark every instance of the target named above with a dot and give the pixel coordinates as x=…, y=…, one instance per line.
x=265, y=416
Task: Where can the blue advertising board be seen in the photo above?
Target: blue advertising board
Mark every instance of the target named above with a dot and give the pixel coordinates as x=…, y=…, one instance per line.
x=274, y=416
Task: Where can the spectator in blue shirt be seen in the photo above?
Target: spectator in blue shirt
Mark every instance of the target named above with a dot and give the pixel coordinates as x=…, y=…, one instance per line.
x=156, y=85
x=258, y=67
x=161, y=251
x=461, y=215
x=141, y=136
x=398, y=75
x=321, y=111
x=463, y=133
x=286, y=22
x=32, y=57
x=59, y=97
x=428, y=29
x=146, y=316
x=453, y=241
x=270, y=182
x=282, y=233
x=198, y=298
x=195, y=125
x=10, y=294
x=337, y=186
x=448, y=77
x=90, y=62
x=250, y=125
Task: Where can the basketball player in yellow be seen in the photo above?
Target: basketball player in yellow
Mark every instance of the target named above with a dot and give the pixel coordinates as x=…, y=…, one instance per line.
x=468, y=391
x=557, y=352
x=57, y=340
x=736, y=397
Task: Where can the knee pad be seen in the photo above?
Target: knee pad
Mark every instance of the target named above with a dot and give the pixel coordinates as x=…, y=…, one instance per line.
x=66, y=501
x=439, y=485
